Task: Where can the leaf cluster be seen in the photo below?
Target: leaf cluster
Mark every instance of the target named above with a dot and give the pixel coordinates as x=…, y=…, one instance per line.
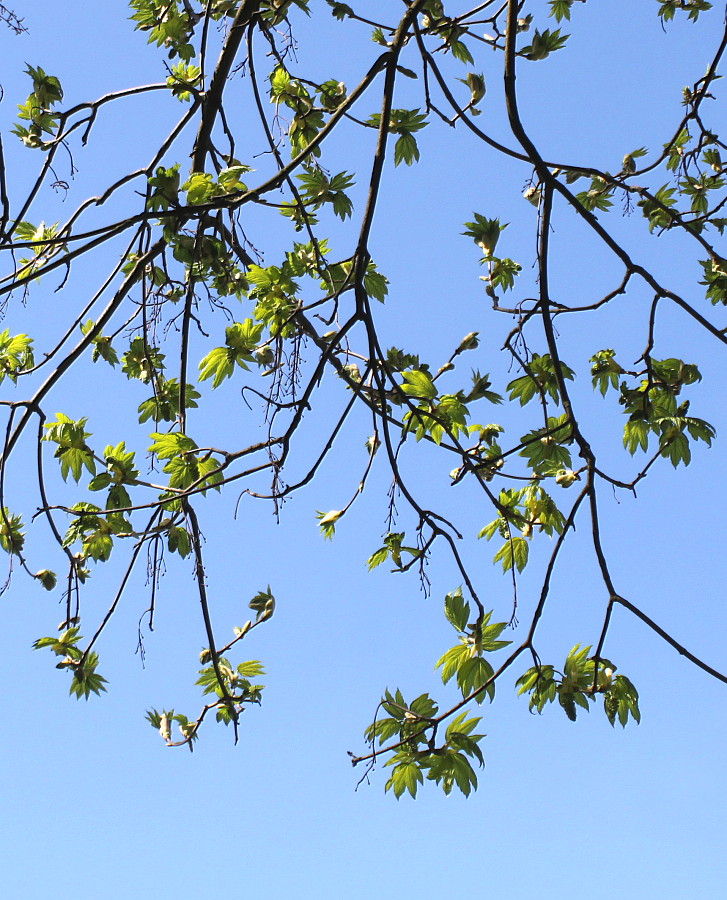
x=38, y=109
x=582, y=679
x=85, y=680
x=403, y=123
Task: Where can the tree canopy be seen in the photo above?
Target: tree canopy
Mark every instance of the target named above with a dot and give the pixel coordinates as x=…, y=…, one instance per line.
x=237, y=328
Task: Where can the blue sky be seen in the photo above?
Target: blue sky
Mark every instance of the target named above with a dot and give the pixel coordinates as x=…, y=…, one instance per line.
x=94, y=803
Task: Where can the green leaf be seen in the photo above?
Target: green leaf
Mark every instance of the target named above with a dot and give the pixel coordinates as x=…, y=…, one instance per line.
x=62, y=645
x=457, y=610
x=629, y=165
x=171, y=445
x=419, y=385
x=183, y=80
x=392, y=547
x=403, y=123
x=263, y=604
x=503, y=273
x=560, y=9
x=86, y=680
x=320, y=189
x=16, y=354
x=164, y=187
x=540, y=683
x=200, y=188
x=461, y=725
x=375, y=284
x=540, y=379
x=340, y=11
x=715, y=279
x=178, y=541
x=72, y=451
x=459, y=51
x=622, y=701
x=253, y=668
x=636, y=435
x=485, y=233
x=691, y=7
x=142, y=361
x=163, y=406
x=543, y=44
x=450, y=768
x=406, y=150
x=658, y=209
x=472, y=675
x=546, y=449
x=598, y=196
x=481, y=391
x=241, y=339
x=406, y=775
x=605, y=370
x=217, y=365
x=377, y=558
x=513, y=553
x=453, y=659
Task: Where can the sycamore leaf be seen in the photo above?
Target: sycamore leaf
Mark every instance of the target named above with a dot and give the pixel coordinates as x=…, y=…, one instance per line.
x=457, y=610
x=419, y=385
x=513, y=553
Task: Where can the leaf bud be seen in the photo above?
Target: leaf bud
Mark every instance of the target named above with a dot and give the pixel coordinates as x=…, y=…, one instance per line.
x=331, y=517
x=164, y=729
x=372, y=444
x=532, y=195
x=469, y=342
x=267, y=610
x=240, y=632
x=523, y=24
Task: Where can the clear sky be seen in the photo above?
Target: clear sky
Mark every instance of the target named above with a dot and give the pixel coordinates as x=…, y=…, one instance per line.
x=93, y=804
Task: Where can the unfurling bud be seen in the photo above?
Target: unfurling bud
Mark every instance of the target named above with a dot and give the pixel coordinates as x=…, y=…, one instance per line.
x=476, y=84
x=164, y=729
x=46, y=578
x=264, y=356
x=469, y=342
x=566, y=477
x=352, y=370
